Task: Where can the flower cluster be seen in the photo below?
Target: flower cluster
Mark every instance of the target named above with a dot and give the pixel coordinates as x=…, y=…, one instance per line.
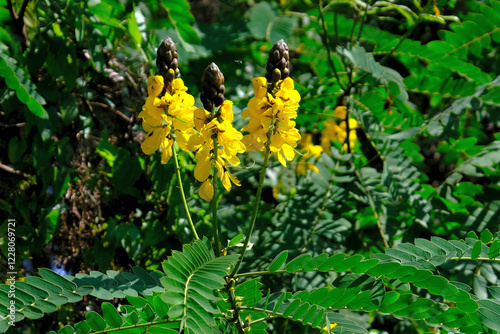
x=337, y=130
x=273, y=112
x=167, y=118
x=217, y=128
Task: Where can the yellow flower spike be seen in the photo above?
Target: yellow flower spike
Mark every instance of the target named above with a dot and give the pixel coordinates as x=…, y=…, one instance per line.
x=155, y=85
x=206, y=191
x=273, y=112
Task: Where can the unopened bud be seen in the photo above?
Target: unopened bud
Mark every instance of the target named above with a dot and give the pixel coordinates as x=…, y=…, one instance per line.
x=278, y=63
x=213, y=88
x=167, y=61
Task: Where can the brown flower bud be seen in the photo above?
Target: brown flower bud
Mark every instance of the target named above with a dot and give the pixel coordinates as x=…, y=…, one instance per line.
x=278, y=63
x=213, y=88
x=167, y=62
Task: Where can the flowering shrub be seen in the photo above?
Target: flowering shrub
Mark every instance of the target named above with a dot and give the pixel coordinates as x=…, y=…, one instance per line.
x=351, y=186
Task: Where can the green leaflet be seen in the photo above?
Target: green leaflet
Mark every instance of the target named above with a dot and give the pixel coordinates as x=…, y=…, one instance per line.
x=363, y=60
x=24, y=88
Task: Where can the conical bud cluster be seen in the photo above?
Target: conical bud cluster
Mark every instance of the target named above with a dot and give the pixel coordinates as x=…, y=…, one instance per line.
x=278, y=63
x=167, y=62
x=213, y=87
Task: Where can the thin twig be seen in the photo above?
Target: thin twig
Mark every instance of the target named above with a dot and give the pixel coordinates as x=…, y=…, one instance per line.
x=12, y=170
x=103, y=105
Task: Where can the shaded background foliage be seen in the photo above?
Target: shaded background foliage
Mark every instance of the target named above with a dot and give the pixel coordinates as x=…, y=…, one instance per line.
x=73, y=80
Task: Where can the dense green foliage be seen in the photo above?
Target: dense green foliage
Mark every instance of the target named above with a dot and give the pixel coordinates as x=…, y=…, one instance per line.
x=394, y=228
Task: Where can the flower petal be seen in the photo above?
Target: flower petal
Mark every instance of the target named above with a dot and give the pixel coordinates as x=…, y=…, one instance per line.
x=260, y=87
x=155, y=85
x=202, y=169
x=226, y=182
x=226, y=111
x=206, y=191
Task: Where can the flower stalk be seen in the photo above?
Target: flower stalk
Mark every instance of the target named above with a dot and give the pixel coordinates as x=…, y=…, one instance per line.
x=183, y=196
x=220, y=142
x=271, y=124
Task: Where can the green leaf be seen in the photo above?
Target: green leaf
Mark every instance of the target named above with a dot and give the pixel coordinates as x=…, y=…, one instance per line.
x=494, y=249
x=315, y=262
x=234, y=241
x=126, y=171
x=111, y=315
x=476, y=250
x=486, y=236
x=349, y=263
x=66, y=330
x=480, y=287
x=297, y=263
x=472, y=235
x=278, y=261
x=260, y=17
x=95, y=321
x=133, y=28
x=489, y=313
x=363, y=60
x=24, y=88
x=377, y=292
x=291, y=308
x=332, y=262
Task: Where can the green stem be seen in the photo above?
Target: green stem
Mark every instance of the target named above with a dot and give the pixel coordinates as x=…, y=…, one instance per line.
x=186, y=208
x=363, y=18
x=146, y=324
x=327, y=44
x=264, y=272
x=215, y=224
x=476, y=259
x=255, y=205
x=232, y=300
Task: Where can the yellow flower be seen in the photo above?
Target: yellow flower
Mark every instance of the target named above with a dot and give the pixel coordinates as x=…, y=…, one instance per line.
x=273, y=112
x=332, y=326
x=229, y=145
x=168, y=118
x=310, y=151
x=336, y=130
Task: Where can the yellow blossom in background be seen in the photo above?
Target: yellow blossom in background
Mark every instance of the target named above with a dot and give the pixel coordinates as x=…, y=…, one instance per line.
x=167, y=118
x=229, y=145
x=332, y=326
x=335, y=130
x=276, y=112
x=309, y=150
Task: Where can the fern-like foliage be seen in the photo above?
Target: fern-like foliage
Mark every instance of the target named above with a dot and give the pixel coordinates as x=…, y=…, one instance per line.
x=183, y=297
x=403, y=282
x=191, y=283
x=397, y=180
